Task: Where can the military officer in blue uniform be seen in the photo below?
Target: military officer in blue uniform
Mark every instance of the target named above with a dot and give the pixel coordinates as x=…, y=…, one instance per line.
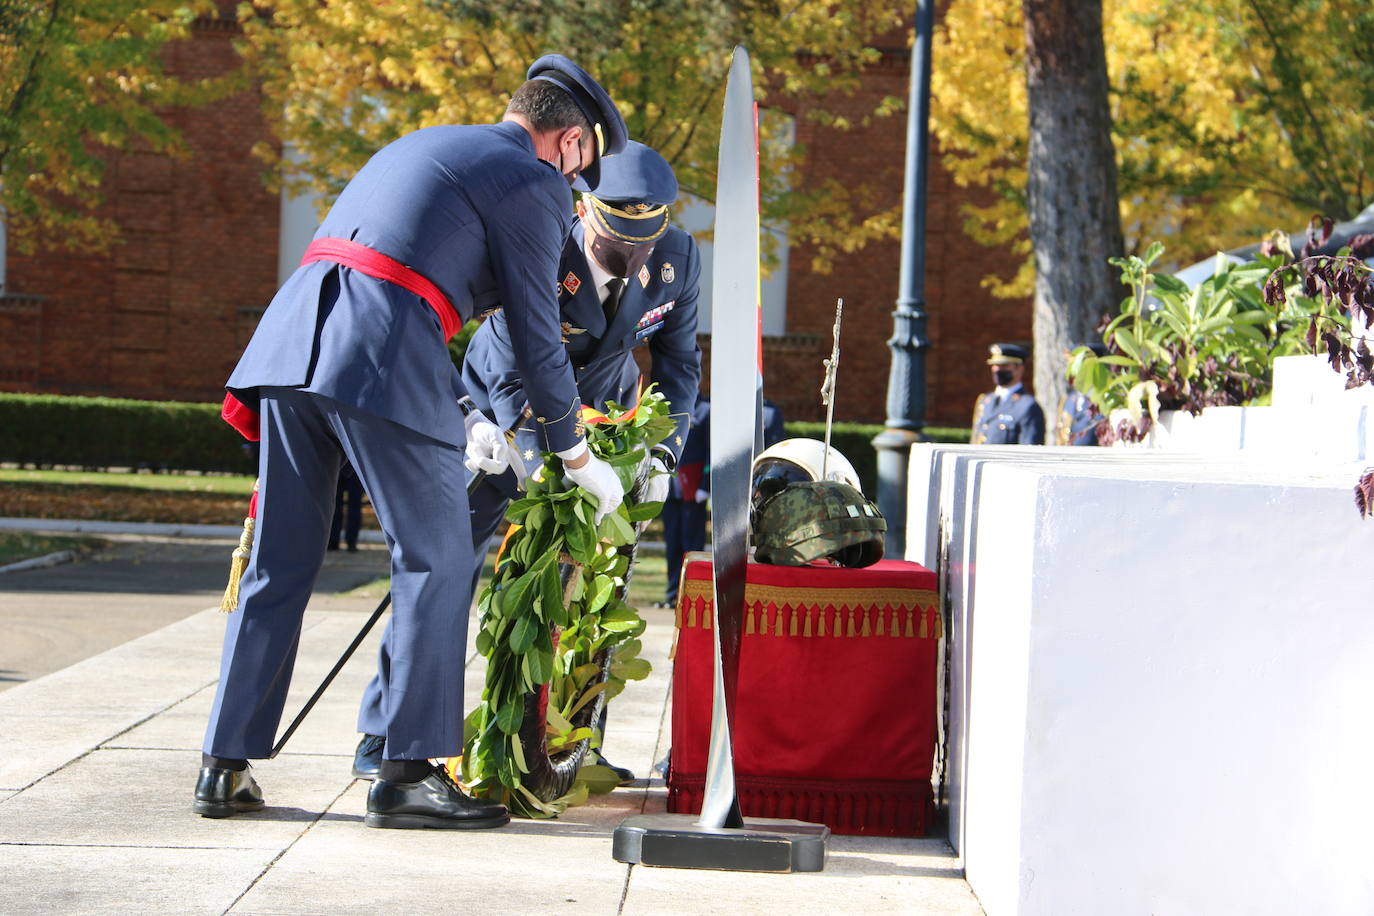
x=349, y=362
x=1078, y=418
x=1007, y=415
x=627, y=279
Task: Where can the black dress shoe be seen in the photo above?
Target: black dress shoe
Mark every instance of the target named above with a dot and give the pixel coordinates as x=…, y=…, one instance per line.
x=434, y=802
x=626, y=776
x=222, y=793
x=367, y=759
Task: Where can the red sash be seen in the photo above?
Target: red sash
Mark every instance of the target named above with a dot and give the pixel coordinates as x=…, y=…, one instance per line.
x=375, y=264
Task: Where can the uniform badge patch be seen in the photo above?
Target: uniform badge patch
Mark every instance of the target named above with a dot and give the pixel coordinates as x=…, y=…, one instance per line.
x=571, y=283
x=666, y=272
x=644, y=275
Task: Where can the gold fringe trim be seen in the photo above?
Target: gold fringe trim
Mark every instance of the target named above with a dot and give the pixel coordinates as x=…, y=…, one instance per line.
x=763, y=595
x=910, y=633
x=882, y=621
x=806, y=625
x=792, y=630
x=864, y=630
x=777, y=621
x=237, y=564
x=850, y=630
x=749, y=621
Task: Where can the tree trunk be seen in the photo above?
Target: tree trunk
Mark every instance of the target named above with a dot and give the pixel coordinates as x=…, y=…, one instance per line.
x=1075, y=218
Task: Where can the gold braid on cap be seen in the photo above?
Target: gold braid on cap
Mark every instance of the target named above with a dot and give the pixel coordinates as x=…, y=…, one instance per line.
x=632, y=211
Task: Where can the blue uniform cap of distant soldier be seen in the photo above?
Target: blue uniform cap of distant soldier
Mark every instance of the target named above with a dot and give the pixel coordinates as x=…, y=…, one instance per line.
x=1007, y=354
x=631, y=203
x=608, y=127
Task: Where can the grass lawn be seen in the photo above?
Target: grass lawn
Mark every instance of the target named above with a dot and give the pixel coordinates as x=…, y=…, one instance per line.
x=19, y=546
x=186, y=499
x=236, y=484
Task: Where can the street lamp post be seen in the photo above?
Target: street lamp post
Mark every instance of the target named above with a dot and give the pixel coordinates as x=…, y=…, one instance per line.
x=906, y=383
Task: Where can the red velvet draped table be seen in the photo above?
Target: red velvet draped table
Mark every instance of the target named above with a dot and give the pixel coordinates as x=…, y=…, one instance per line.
x=835, y=714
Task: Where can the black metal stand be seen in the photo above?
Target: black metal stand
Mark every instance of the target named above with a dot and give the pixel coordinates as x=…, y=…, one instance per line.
x=762, y=844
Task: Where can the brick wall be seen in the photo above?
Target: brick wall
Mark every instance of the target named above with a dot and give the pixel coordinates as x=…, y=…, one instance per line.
x=158, y=316
x=963, y=317
x=167, y=311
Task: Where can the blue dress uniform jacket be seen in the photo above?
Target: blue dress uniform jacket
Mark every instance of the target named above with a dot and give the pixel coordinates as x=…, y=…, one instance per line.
x=657, y=310
x=1013, y=419
x=472, y=210
x=345, y=366
x=1077, y=421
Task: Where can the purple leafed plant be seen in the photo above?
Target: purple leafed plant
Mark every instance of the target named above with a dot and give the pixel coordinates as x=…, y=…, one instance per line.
x=1346, y=286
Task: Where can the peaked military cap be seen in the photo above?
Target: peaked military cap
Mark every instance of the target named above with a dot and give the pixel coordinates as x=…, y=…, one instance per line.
x=636, y=189
x=1007, y=354
x=608, y=127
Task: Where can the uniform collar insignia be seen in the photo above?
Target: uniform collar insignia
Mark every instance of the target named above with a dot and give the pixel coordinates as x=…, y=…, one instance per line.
x=571, y=283
x=666, y=272
x=644, y=275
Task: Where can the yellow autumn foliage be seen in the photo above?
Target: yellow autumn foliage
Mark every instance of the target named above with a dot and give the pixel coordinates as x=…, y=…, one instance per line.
x=1218, y=134
x=343, y=77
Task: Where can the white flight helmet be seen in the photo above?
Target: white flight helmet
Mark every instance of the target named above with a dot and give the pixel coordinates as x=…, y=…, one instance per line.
x=793, y=460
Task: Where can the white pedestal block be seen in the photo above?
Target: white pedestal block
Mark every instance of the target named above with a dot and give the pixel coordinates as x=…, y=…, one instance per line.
x=1167, y=670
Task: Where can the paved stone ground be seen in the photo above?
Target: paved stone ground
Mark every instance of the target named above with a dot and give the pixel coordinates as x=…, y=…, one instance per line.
x=56, y=616
x=99, y=760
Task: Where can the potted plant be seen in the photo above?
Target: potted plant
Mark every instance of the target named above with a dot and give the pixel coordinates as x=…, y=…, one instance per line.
x=1342, y=288
x=1175, y=348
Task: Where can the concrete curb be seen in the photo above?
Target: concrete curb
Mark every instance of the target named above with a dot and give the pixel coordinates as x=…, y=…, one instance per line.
x=51, y=559
x=151, y=529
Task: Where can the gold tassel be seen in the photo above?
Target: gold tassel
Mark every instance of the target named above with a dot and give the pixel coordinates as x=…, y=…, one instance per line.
x=864, y=630
x=882, y=621
x=821, y=622
x=851, y=623
x=749, y=621
x=237, y=564
x=909, y=631
x=792, y=630
x=923, y=614
x=777, y=621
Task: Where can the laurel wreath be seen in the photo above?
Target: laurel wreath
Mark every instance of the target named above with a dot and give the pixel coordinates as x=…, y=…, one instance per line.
x=555, y=601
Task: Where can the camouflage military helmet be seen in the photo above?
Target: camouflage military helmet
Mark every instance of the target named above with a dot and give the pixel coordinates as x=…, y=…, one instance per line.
x=795, y=523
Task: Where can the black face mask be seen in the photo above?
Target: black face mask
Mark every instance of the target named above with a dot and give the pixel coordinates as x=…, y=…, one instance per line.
x=621, y=259
x=1003, y=377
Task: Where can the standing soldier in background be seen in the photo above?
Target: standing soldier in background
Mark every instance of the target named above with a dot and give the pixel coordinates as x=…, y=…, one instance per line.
x=1077, y=423
x=1007, y=415
x=350, y=362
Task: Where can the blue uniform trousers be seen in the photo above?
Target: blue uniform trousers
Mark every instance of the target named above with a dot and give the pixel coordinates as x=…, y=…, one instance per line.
x=684, y=529
x=416, y=485
x=487, y=507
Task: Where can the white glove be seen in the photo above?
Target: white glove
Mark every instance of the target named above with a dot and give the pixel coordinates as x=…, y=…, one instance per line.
x=596, y=477
x=656, y=488
x=488, y=449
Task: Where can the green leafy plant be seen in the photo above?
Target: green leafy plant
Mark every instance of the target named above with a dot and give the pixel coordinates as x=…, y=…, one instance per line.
x=557, y=633
x=1176, y=348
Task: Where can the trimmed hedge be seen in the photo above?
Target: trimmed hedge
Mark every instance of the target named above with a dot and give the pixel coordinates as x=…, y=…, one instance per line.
x=45, y=429
x=95, y=433
x=855, y=442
